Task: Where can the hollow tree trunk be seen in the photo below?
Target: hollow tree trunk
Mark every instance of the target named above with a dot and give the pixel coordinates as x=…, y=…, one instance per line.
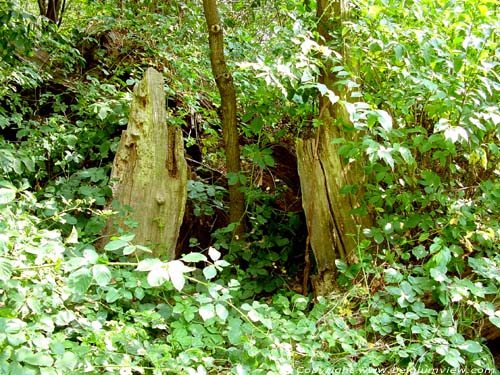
x=332, y=229
x=225, y=85
x=149, y=170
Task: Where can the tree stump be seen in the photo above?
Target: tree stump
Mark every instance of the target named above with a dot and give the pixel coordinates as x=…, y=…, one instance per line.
x=149, y=172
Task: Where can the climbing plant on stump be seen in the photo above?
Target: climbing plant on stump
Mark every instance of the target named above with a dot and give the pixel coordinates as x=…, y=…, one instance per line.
x=324, y=174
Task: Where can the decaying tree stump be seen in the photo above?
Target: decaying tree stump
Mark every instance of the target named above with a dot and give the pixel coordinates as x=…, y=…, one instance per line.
x=149, y=171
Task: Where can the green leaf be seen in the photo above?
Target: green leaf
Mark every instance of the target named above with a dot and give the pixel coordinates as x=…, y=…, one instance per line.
x=80, y=280
x=5, y=269
x=419, y=252
x=495, y=320
x=209, y=272
x=39, y=359
x=127, y=237
x=112, y=295
x=221, y=311
x=221, y=263
x=67, y=362
x=148, y=264
x=384, y=119
x=253, y=315
x=206, y=311
x=102, y=274
x=471, y=346
x=213, y=253
x=158, y=275
x=7, y=195
x=233, y=178
x=73, y=236
x=129, y=249
x=453, y=358
x=115, y=245
x=176, y=270
x=393, y=276
x=13, y=326
x=194, y=257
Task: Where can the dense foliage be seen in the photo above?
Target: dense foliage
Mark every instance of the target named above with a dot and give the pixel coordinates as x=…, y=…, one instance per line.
x=422, y=295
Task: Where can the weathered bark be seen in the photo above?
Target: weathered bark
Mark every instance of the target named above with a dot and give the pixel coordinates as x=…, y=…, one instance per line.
x=323, y=172
x=224, y=80
x=149, y=170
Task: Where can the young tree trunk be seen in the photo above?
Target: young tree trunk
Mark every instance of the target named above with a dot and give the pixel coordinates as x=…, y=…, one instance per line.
x=52, y=9
x=225, y=85
x=149, y=171
x=323, y=172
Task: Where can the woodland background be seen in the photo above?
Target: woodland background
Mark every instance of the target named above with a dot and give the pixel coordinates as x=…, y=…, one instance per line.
x=356, y=230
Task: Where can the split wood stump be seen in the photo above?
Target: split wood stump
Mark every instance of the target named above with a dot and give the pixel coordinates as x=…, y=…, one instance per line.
x=149, y=172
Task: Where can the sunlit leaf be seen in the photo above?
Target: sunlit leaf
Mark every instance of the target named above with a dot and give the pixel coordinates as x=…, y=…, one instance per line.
x=194, y=257
x=221, y=311
x=7, y=195
x=158, y=274
x=115, y=245
x=5, y=269
x=102, y=274
x=209, y=272
x=148, y=264
x=213, y=253
x=176, y=270
x=207, y=311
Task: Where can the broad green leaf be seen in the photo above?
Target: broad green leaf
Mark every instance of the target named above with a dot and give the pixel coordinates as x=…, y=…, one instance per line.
x=80, y=280
x=386, y=155
x=233, y=178
x=5, y=269
x=495, y=320
x=176, y=270
x=158, y=274
x=209, y=272
x=7, y=195
x=148, y=264
x=194, y=257
x=221, y=263
x=206, y=311
x=73, y=236
x=37, y=359
x=253, y=315
x=406, y=155
x=127, y=237
x=139, y=293
x=439, y=274
x=102, y=274
x=453, y=358
x=67, y=362
x=64, y=317
x=213, y=253
x=13, y=326
x=90, y=255
x=129, y=249
x=221, y=311
x=115, y=245
x=385, y=120
x=471, y=346
x=112, y=295
x=392, y=275
x=456, y=133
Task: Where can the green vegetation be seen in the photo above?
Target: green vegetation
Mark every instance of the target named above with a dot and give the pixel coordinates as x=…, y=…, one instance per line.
x=420, y=291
